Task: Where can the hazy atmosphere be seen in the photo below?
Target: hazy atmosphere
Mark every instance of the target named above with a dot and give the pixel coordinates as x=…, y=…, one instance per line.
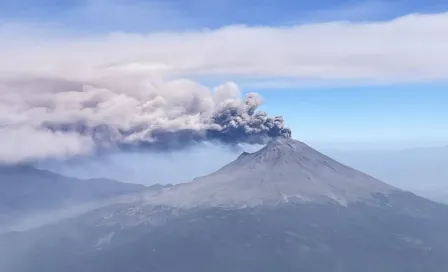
x=147, y=120
x=77, y=87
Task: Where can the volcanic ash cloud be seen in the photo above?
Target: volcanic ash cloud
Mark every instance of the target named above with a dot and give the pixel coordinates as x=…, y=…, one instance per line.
x=48, y=117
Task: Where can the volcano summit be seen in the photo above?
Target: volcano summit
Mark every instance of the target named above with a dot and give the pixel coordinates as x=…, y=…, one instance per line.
x=284, y=171
x=286, y=207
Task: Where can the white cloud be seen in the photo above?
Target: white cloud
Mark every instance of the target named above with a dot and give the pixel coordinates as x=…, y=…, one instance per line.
x=27, y=144
x=138, y=83
x=410, y=48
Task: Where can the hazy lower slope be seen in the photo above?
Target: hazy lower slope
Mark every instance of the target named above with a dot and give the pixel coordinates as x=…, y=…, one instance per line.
x=25, y=190
x=286, y=207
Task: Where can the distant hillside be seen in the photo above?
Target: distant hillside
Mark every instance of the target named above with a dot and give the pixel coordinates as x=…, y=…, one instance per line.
x=25, y=190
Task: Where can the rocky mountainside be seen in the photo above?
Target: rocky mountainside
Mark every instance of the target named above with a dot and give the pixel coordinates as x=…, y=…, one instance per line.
x=26, y=191
x=286, y=207
x=284, y=171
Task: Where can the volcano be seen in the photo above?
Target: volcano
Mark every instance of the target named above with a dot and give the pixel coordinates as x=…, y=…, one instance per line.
x=286, y=207
x=284, y=171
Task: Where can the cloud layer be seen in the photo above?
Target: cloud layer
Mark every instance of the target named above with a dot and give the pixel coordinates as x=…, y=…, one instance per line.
x=409, y=48
x=62, y=96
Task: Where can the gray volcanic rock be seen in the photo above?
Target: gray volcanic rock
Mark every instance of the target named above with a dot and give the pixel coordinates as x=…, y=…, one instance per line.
x=283, y=171
x=284, y=208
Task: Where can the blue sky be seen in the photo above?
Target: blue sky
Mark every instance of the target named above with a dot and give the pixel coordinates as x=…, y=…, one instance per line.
x=409, y=114
x=398, y=116
x=113, y=15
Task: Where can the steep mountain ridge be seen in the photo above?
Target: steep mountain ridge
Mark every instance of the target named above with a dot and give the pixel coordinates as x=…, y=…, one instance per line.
x=284, y=208
x=283, y=171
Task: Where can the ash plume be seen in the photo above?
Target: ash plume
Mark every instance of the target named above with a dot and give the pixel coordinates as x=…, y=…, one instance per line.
x=77, y=117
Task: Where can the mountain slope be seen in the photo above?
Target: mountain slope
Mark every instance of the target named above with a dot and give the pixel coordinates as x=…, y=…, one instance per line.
x=284, y=208
x=285, y=170
x=25, y=190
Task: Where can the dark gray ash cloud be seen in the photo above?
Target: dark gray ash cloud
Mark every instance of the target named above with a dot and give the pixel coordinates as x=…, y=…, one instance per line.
x=236, y=121
x=79, y=117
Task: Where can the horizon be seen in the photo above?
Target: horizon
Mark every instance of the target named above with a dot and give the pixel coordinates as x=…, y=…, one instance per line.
x=82, y=78
x=223, y=135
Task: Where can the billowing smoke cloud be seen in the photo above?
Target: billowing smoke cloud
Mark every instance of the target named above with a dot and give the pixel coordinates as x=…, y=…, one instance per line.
x=42, y=118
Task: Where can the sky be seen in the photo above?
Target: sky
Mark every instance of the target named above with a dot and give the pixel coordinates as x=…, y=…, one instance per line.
x=149, y=15
x=343, y=74
x=317, y=108
x=366, y=117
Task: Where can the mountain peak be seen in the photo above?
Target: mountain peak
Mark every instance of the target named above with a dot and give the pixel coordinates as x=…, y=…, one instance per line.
x=276, y=148
x=284, y=144
x=281, y=150
x=285, y=170
x=280, y=147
